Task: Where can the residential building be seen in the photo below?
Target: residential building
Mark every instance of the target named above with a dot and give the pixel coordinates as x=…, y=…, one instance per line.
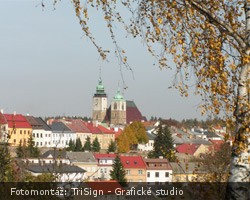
x=134, y=167
x=86, y=161
x=195, y=150
x=62, y=172
x=159, y=171
x=186, y=171
x=79, y=127
x=41, y=132
x=105, y=165
x=104, y=135
x=19, y=129
x=149, y=146
x=61, y=135
x=3, y=129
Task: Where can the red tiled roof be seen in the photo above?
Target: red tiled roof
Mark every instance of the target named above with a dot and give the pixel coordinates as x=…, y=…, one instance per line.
x=217, y=144
x=2, y=119
x=105, y=130
x=108, y=187
x=104, y=155
x=93, y=129
x=17, y=121
x=187, y=148
x=133, y=162
x=77, y=125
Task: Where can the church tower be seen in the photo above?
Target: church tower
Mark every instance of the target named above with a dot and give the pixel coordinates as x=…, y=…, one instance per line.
x=99, y=103
x=118, y=110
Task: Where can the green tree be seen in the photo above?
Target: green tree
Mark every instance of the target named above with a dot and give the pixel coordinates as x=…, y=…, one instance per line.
x=20, y=150
x=6, y=170
x=31, y=149
x=118, y=173
x=71, y=146
x=163, y=143
x=87, y=145
x=112, y=146
x=96, y=145
x=78, y=146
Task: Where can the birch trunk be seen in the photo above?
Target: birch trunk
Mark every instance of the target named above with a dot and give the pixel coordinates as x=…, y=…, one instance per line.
x=239, y=186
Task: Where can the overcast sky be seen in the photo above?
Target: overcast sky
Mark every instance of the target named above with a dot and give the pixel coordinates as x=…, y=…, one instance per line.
x=48, y=68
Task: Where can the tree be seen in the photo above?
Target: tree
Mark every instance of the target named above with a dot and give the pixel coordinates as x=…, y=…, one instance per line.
x=78, y=146
x=208, y=38
x=31, y=149
x=87, y=145
x=163, y=143
x=123, y=143
x=71, y=146
x=20, y=150
x=96, y=145
x=118, y=173
x=112, y=147
x=140, y=132
x=5, y=164
x=217, y=165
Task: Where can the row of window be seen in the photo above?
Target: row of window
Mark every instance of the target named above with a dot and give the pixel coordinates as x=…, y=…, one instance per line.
x=157, y=174
x=21, y=132
x=41, y=135
x=140, y=172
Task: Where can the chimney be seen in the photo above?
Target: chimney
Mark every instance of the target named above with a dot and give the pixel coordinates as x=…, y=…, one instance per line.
x=14, y=113
x=2, y=111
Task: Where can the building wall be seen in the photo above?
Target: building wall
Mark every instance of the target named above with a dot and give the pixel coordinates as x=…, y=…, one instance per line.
x=61, y=139
x=42, y=138
x=135, y=174
x=19, y=134
x=146, y=147
x=154, y=176
x=83, y=136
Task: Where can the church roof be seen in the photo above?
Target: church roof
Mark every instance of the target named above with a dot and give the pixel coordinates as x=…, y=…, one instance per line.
x=133, y=113
x=100, y=88
x=118, y=96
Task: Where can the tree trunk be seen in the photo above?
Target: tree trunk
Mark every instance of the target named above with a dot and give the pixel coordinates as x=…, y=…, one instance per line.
x=238, y=186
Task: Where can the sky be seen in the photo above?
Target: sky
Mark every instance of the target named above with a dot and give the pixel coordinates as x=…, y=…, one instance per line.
x=49, y=68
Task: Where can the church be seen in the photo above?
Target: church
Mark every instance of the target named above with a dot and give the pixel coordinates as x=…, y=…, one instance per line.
x=120, y=111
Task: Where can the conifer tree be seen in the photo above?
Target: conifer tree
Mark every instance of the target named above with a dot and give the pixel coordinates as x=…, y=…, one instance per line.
x=163, y=144
x=118, y=172
x=32, y=150
x=112, y=146
x=96, y=145
x=71, y=146
x=87, y=146
x=20, y=150
x=5, y=164
x=78, y=146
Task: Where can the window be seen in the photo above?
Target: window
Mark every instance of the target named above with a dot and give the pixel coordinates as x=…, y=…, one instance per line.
x=128, y=172
x=24, y=132
x=148, y=174
x=41, y=135
x=156, y=174
x=115, y=106
x=21, y=132
x=34, y=135
x=105, y=170
x=166, y=174
x=37, y=143
x=41, y=143
x=37, y=135
x=140, y=172
x=14, y=141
